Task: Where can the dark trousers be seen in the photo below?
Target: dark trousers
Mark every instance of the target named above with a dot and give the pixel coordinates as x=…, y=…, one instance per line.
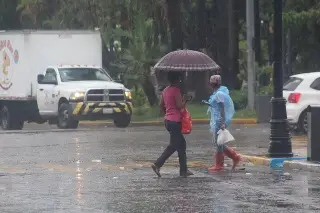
x=177, y=143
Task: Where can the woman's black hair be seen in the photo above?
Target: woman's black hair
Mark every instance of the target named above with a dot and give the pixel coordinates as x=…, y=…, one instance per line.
x=173, y=77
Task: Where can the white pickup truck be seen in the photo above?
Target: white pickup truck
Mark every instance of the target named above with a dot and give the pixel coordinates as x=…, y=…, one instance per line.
x=57, y=76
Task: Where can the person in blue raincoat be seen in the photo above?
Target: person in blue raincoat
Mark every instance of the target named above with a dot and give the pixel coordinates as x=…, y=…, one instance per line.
x=221, y=109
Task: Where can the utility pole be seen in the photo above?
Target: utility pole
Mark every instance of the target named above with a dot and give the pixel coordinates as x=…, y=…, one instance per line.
x=280, y=139
x=257, y=33
x=251, y=61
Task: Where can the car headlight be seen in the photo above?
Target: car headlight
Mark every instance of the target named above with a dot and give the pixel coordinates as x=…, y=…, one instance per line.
x=77, y=96
x=128, y=95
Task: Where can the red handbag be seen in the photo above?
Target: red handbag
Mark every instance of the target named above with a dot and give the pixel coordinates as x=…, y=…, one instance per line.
x=186, y=122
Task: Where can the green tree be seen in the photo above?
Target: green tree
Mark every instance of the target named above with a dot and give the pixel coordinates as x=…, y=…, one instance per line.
x=9, y=16
x=301, y=33
x=37, y=14
x=143, y=51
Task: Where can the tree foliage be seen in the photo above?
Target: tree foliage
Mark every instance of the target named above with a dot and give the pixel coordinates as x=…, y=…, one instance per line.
x=137, y=32
x=301, y=28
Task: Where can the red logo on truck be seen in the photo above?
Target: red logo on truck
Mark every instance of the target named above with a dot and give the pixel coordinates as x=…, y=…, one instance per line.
x=7, y=56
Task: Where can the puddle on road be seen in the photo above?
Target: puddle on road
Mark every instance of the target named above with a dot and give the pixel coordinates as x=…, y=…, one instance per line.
x=249, y=199
x=298, y=184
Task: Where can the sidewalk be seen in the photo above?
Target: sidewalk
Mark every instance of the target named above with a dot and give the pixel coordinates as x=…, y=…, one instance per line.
x=256, y=155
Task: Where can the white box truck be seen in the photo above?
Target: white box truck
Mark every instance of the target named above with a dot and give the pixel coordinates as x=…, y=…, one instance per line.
x=57, y=76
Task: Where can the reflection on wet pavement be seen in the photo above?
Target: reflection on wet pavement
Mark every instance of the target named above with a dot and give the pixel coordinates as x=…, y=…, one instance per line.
x=109, y=171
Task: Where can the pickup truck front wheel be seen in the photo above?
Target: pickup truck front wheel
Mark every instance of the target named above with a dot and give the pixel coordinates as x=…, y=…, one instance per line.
x=64, y=120
x=122, y=120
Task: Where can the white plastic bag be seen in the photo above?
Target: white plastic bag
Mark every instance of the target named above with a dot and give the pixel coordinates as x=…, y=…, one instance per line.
x=224, y=136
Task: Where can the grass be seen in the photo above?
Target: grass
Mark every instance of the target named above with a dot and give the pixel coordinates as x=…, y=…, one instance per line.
x=197, y=111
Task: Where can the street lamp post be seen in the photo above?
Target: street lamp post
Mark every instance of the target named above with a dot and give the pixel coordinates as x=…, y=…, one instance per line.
x=280, y=139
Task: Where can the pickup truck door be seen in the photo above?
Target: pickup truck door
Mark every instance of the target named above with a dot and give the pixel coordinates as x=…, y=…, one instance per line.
x=47, y=94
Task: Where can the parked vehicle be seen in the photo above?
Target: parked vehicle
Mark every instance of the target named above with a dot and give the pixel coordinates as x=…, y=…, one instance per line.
x=301, y=91
x=57, y=76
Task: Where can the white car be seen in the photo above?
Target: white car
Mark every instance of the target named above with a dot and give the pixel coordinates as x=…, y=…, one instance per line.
x=301, y=91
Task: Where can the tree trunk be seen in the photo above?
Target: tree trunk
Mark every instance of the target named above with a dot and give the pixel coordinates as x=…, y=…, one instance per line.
x=200, y=79
x=233, y=37
x=211, y=31
x=174, y=17
x=222, y=42
x=124, y=22
x=162, y=19
x=105, y=55
x=201, y=24
x=149, y=90
x=270, y=42
x=157, y=23
x=190, y=27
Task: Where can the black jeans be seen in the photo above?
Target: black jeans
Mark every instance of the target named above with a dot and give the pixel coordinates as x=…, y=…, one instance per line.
x=177, y=143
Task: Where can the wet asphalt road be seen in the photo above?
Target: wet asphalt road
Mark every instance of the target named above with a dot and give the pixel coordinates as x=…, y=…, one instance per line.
x=108, y=170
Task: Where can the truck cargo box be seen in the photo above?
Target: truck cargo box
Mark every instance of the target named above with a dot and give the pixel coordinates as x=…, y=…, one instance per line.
x=25, y=54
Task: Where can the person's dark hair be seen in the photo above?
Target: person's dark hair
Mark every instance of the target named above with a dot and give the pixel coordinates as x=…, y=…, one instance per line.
x=173, y=77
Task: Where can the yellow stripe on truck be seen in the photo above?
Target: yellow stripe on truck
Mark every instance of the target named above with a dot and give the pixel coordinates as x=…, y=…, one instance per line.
x=116, y=109
x=99, y=107
x=102, y=104
x=126, y=108
x=77, y=108
x=96, y=110
x=86, y=110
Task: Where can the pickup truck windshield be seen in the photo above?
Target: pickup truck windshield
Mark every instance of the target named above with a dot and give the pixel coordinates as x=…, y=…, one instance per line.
x=83, y=74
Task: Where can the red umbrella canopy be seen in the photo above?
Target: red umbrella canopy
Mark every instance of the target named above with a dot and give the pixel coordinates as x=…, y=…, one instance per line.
x=186, y=60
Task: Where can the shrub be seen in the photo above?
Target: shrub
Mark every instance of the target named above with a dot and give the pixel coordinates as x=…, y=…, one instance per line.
x=266, y=90
x=240, y=99
x=139, y=100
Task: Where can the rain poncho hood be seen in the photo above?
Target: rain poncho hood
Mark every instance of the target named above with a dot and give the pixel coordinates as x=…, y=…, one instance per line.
x=223, y=89
x=221, y=93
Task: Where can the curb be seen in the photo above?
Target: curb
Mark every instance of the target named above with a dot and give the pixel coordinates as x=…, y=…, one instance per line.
x=283, y=163
x=306, y=166
x=160, y=123
x=255, y=160
x=244, y=121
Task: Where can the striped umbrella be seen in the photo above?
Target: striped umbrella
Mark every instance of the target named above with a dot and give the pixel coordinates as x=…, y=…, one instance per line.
x=186, y=61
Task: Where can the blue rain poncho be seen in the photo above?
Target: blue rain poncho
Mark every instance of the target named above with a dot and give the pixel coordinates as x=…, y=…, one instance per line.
x=220, y=96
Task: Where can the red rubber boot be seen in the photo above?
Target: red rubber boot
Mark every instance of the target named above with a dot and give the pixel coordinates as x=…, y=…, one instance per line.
x=233, y=155
x=219, y=163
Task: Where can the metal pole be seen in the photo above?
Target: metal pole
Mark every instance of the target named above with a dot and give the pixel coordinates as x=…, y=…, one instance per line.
x=280, y=139
x=257, y=32
x=251, y=61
